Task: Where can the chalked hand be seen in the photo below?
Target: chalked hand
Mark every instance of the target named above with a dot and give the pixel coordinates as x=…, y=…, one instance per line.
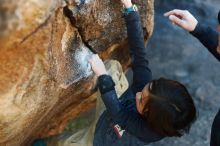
x=127, y=3
x=97, y=65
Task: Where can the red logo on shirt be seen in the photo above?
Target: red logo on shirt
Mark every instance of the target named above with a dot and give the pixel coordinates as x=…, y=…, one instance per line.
x=118, y=130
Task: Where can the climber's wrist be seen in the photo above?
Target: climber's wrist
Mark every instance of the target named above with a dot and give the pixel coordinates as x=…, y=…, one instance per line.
x=130, y=9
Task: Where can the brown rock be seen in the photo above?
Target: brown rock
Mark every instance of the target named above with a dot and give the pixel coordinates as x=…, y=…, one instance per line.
x=45, y=77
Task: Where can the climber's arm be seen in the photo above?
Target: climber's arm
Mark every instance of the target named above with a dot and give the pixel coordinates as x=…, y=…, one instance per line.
x=106, y=86
x=141, y=72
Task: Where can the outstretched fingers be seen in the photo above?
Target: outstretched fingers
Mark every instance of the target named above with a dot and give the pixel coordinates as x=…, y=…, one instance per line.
x=176, y=12
x=176, y=20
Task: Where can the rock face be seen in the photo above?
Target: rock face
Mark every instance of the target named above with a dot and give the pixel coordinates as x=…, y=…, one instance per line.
x=45, y=78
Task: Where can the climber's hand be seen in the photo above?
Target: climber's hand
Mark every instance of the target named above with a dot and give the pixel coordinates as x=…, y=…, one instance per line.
x=127, y=3
x=97, y=65
x=182, y=18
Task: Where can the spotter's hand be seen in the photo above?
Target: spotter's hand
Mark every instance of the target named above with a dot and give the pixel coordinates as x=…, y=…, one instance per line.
x=182, y=18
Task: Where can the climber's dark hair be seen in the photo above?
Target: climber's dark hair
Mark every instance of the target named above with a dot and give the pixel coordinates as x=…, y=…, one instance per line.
x=170, y=110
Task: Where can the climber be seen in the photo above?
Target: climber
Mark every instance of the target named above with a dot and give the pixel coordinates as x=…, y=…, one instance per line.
x=148, y=110
x=211, y=40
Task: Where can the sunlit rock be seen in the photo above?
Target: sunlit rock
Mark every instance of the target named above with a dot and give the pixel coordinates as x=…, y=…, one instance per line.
x=45, y=77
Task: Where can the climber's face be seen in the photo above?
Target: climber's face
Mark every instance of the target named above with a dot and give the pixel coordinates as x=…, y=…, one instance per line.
x=142, y=98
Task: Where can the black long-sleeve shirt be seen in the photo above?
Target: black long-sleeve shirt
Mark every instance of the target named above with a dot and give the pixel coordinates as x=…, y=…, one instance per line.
x=208, y=37
x=123, y=111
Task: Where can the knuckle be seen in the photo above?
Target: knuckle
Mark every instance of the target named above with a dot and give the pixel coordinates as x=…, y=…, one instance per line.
x=186, y=11
x=181, y=22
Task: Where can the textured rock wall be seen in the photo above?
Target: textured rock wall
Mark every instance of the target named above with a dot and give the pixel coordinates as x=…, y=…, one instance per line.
x=45, y=77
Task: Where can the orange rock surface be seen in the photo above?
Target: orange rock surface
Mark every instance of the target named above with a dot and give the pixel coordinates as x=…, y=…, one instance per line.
x=45, y=78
